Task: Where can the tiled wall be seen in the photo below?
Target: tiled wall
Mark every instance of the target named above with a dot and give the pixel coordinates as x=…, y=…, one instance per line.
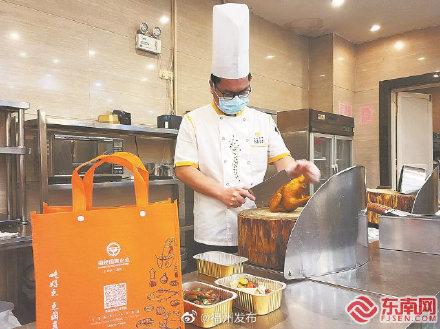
x=332, y=65
x=76, y=59
x=344, y=61
x=399, y=56
x=321, y=73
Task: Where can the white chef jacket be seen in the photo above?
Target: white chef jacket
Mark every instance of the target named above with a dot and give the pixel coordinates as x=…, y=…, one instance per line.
x=232, y=150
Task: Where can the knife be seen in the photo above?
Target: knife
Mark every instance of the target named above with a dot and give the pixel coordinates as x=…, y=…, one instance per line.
x=264, y=191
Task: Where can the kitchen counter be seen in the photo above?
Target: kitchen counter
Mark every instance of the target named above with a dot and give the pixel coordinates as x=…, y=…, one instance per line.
x=320, y=302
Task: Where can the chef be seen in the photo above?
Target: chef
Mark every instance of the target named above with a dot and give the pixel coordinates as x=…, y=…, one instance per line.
x=223, y=148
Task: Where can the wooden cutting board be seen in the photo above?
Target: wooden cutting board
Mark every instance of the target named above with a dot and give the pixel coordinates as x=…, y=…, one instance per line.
x=263, y=236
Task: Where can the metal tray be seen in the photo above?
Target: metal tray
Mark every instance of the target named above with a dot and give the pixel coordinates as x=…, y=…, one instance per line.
x=208, y=316
x=219, y=264
x=255, y=303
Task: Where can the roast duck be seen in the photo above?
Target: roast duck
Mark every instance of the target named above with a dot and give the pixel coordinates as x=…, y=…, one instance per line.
x=290, y=196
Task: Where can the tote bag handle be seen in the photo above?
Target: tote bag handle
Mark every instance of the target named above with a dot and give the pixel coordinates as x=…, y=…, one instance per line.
x=82, y=189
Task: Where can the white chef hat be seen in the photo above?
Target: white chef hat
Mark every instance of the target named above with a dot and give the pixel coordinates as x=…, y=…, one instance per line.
x=230, y=40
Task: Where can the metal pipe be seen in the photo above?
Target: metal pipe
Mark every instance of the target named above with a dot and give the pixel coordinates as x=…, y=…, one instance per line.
x=174, y=29
x=22, y=169
x=42, y=155
x=9, y=195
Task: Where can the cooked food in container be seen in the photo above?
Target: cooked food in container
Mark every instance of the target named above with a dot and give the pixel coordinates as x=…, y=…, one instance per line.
x=256, y=294
x=202, y=296
x=205, y=305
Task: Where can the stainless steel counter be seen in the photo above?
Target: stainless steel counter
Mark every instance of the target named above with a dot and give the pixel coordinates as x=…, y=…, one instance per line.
x=320, y=303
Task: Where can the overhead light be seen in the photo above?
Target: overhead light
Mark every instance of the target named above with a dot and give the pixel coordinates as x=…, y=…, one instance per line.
x=150, y=67
x=144, y=79
x=399, y=45
x=270, y=56
x=48, y=75
x=322, y=75
x=375, y=28
x=337, y=3
x=22, y=54
x=14, y=36
x=436, y=75
x=92, y=52
x=164, y=19
x=98, y=84
x=340, y=58
x=55, y=60
x=421, y=58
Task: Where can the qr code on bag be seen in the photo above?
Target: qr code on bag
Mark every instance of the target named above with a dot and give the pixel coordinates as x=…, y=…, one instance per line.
x=115, y=295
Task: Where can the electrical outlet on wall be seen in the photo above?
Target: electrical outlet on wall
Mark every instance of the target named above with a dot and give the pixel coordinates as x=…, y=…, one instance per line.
x=166, y=75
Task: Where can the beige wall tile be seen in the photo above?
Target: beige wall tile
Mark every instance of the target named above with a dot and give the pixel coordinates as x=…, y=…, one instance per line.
x=344, y=62
x=321, y=73
x=343, y=100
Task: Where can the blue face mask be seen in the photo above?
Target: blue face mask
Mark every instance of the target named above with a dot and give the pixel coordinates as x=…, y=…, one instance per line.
x=232, y=106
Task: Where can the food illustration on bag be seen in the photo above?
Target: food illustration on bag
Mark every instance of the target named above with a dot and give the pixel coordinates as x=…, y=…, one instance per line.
x=153, y=282
x=175, y=303
x=164, y=278
x=144, y=323
x=161, y=295
x=174, y=283
x=176, y=271
x=160, y=310
x=165, y=260
x=246, y=285
x=172, y=321
x=149, y=308
x=202, y=296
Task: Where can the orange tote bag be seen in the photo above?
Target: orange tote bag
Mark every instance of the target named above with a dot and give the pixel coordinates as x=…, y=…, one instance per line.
x=108, y=267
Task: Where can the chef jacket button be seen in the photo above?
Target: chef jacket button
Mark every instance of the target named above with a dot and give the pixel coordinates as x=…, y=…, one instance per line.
x=223, y=138
x=247, y=139
x=224, y=161
x=248, y=162
x=227, y=184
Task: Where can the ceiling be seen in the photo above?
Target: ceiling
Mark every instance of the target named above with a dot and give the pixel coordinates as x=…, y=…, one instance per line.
x=353, y=20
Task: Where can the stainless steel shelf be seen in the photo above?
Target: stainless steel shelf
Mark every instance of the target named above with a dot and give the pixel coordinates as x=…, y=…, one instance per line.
x=122, y=183
x=170, y=181
x=9, y=221
x=16, y=243
x=92, y=125
x=13, y=106
x=187, y=228
x=11, y=150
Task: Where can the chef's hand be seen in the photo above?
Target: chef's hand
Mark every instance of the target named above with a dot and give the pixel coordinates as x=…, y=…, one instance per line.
x=235, y=197
x=306, y=168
